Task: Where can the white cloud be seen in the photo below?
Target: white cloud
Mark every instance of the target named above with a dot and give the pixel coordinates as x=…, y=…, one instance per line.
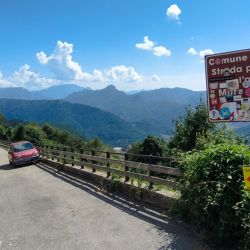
x=147, y=45
x=123, y=74
x=150, y=45
x=156, y=78
x=5, y=82
x=42, y=57
x=66, y=70
x=161, y=51
x=205, y=52
x=173, y=12
x=200, y=53
x=60, y=62
x=26, y=78
x=192, y=51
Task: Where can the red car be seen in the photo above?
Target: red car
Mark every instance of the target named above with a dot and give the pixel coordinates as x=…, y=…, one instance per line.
x=23, y=152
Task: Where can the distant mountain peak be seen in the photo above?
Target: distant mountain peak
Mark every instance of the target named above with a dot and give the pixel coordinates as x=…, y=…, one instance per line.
x=110, y=87
x=111, y=90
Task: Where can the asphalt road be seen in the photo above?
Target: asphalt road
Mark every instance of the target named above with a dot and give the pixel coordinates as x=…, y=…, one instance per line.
x=44, y=209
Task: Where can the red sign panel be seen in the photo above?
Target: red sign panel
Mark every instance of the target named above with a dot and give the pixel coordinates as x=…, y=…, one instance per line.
x=228, y=86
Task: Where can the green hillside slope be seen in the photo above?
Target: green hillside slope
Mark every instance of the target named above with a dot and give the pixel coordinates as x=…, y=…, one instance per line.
x=84, y=120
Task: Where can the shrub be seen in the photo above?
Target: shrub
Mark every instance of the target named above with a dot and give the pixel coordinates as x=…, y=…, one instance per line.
x=243, y=213
x=212, y=190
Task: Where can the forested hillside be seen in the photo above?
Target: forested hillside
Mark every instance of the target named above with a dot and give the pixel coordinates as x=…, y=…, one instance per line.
x=155, y=109
x=80, y=119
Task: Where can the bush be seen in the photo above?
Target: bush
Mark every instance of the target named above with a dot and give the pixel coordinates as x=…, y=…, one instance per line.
x=19, y=133
x=243, y=213
x=151, y=145
x=212, y=190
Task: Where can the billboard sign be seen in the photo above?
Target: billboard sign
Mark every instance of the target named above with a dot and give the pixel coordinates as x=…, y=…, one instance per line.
x=228, y=86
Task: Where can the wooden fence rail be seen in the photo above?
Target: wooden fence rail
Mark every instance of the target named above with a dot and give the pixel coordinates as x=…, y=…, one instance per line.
x=154, y=174
x=102, y=161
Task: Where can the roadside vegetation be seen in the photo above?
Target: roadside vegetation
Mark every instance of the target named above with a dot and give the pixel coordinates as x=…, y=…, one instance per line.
x=212, y=196
x=210, y=158
x=45, y=135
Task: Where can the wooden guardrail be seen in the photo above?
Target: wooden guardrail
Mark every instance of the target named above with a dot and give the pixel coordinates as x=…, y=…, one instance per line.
x=119, y=164
x=4, y=144
x=145, y=168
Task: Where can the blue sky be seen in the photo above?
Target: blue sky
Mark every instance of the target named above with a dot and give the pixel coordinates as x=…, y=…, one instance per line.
x=133, y=44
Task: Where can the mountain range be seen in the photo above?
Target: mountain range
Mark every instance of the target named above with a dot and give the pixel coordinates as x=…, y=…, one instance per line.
x=80, y=119
x=115, y=116
x=155, y=109
x=150, y=111
x=51, y=93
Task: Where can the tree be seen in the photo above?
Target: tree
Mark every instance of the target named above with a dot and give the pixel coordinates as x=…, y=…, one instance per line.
x=49, y=131
x=2, y=119
x=33, y=133
x=189, y=127
x=19, y=133
x=9, y=133
x=152, y=146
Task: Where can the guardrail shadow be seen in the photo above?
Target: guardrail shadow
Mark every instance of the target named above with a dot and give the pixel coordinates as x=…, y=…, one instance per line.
x=180, y=234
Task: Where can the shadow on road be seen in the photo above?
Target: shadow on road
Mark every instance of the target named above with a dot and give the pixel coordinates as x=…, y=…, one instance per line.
x=181, y=235
x=11, y=167
x=6, y=167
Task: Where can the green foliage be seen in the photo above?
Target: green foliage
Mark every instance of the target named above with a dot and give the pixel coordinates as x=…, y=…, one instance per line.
x=8, y=134
x=2, y=132
x=2, y=119
x=19, y=133
x=151, y=145
x=75, y=118
x=189, y=127
x=220, y=135
x=46, y=134
x=212, y=187
x=33, y=133
x=49, y=131
x=243, y=213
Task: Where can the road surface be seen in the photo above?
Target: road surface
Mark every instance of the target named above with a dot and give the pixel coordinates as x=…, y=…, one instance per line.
x=44, y=209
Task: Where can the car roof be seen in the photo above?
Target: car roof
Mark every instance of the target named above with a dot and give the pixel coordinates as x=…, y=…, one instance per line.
x=20, y=142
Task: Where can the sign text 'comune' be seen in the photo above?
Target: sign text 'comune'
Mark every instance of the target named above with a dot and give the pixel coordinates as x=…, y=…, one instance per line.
x=228, y=86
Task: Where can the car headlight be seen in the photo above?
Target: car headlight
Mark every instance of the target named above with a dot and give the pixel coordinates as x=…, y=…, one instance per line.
x=35, y=154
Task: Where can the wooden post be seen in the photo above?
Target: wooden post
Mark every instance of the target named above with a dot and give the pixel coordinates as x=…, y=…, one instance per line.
x=150, y=173
x=93, y=162
x=64, y=156
x=126, y=166
x=81, y=159
x=41, y=151
x=108, y=164
x=72, y=156
x=46, y=152
x=52, y=154
x=58, y=154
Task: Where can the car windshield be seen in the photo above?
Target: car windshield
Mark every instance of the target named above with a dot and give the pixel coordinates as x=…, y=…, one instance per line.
x=22, y=146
